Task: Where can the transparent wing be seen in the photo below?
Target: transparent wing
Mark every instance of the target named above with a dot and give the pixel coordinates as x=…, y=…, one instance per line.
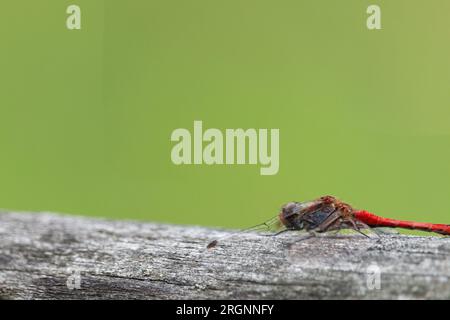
x=272, y=224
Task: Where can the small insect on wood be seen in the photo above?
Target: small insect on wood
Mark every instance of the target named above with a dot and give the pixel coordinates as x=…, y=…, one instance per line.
x=328, y=213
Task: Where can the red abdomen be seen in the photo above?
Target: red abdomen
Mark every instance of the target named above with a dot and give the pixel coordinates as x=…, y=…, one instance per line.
x=373, y=220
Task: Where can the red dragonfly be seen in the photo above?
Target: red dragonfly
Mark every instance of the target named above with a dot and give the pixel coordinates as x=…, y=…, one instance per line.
x=330, y=214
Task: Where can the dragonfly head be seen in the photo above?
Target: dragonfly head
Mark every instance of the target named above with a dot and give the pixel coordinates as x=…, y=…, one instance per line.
x=291, y=214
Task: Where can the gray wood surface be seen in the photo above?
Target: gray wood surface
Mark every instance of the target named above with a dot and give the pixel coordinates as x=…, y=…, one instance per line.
x=50, y=256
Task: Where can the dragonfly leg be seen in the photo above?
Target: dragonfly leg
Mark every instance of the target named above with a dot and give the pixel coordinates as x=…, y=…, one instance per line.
x=354, y=226
x=365, y=226
x=358, y=225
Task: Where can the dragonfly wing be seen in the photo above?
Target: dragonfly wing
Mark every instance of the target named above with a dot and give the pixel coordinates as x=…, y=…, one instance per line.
x=332, y=222
x=386, y=231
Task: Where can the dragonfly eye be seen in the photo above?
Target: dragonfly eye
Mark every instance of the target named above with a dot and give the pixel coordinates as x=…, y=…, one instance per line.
x=290, y=209
x=290, y=214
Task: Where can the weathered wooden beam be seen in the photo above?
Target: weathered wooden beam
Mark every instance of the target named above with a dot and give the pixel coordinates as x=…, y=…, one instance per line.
x=50, y=256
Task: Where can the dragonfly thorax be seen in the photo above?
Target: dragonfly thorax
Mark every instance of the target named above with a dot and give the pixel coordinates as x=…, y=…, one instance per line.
x=305, y=215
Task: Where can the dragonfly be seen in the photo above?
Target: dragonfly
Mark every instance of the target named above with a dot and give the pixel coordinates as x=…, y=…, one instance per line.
x=328, y=213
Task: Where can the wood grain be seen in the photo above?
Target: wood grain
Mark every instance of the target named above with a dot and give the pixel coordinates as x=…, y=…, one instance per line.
x=51, y=256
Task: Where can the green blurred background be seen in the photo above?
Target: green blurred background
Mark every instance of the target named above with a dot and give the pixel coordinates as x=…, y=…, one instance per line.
x=86, y=116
